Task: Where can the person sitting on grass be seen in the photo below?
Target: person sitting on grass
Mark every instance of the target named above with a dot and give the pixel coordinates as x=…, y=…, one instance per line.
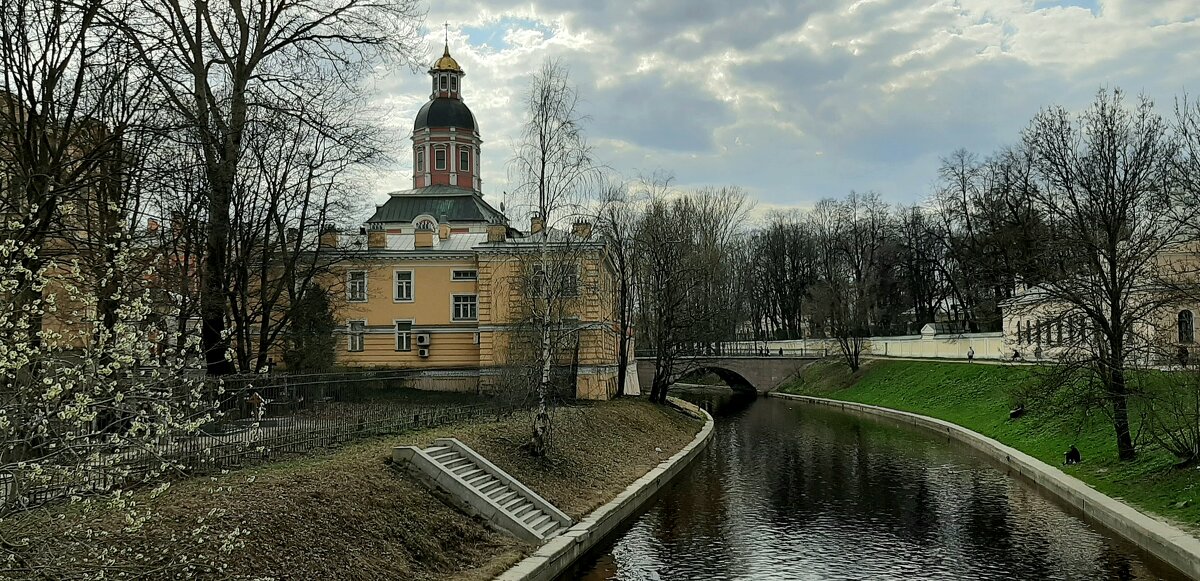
x=1072, y=455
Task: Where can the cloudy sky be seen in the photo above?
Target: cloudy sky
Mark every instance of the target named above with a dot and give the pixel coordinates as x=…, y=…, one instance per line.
x=803, y=99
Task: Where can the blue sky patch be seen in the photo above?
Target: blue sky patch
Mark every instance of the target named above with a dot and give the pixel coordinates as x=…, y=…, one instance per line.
x=492, y=34
x=1091, y=5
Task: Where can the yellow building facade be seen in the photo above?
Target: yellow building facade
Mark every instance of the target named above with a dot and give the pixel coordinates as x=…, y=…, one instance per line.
x=437, y=280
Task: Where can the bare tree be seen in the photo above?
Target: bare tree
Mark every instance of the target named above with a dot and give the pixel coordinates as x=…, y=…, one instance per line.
x=682, y=273
x=1104, y=183
x=553, y=160
x=297, y=182
x=784, y=255
x=1173, y=410
x=617, y=223
x=553, y=169
x=223, y=66
x=65, y=105
x=852, y=239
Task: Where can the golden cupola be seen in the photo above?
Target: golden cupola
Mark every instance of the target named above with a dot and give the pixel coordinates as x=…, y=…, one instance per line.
x=446, y=63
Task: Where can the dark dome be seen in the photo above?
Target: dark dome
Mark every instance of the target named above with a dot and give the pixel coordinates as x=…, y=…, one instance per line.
x=445, y=112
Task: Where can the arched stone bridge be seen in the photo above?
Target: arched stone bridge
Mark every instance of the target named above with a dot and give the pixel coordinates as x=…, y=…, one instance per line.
x=752, y=373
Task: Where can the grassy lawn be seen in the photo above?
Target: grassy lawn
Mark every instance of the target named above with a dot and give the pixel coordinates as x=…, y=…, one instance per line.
x=977, y=397
x=347, y=514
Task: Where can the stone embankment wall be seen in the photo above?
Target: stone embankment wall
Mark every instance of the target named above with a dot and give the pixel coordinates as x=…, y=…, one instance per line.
x=1166, y=542
x=557, y=555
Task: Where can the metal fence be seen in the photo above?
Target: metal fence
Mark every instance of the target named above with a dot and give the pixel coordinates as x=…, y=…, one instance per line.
x=303, y=413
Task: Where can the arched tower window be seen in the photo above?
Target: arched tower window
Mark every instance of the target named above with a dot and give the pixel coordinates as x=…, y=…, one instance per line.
x=1187, y=329
x=420, y=160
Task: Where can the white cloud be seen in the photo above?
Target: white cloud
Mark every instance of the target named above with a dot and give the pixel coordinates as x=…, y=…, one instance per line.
x=797, y=100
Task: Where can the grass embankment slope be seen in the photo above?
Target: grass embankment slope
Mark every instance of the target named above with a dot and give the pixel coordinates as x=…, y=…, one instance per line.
x=346, y=514
x=978, y=397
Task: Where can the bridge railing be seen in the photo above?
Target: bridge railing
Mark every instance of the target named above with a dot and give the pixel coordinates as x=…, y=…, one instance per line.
x=745, y=351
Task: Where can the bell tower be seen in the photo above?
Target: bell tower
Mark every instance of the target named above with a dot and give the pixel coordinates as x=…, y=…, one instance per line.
x=445, y=137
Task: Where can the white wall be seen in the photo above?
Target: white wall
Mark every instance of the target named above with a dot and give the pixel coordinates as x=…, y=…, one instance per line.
x=956, y=346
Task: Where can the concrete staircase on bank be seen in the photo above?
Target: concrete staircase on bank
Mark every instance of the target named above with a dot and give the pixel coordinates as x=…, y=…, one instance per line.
x=482, y=489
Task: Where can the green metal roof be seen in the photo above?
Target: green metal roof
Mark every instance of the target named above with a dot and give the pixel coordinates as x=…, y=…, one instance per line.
x=456, y=204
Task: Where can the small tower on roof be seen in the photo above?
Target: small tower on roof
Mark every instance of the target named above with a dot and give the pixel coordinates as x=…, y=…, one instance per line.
x=445, y=138
x=447, y=76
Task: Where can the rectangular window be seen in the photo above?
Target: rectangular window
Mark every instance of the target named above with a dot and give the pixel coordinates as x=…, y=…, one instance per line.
x=420, y=160
x=563, y=280
x=356, y=286
x=464, y=275
x=443, y=82
x=570, y=280
x=439, y=159
x=464, y=160
x=464, y=308
x=404, y=285
x=453, y=84
x=403, y=335
x=355, y=337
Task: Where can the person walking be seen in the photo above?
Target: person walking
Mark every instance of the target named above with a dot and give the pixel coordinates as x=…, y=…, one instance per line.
x=971, y=354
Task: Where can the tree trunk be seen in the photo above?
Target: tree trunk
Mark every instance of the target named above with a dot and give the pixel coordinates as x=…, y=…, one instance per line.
x=1119, y=392
x=212, y=283
x=539, y=441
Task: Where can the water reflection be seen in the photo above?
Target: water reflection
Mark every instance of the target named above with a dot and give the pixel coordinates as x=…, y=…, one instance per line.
x=787, y=491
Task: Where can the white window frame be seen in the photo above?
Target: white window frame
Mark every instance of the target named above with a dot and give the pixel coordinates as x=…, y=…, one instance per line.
x=407, y=347
x=454, y=307
x=352, y=336
x=421, y=159
x=445, y=83
x=453, y=83
x=455, y=272
x=350, y=286
x=445, y=154
x=464, y=155
x=412, y=283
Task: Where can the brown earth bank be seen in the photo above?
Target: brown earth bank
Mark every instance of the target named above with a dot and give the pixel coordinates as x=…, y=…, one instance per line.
x=347, y=514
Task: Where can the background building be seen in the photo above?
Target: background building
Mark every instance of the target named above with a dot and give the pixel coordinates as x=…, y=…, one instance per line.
x=438, y=280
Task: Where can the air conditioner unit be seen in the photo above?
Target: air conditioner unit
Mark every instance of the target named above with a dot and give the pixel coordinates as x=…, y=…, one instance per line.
x=423, y=339
x=423, y=352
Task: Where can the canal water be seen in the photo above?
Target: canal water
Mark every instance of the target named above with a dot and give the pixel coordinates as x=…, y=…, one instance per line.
x=791, y=491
